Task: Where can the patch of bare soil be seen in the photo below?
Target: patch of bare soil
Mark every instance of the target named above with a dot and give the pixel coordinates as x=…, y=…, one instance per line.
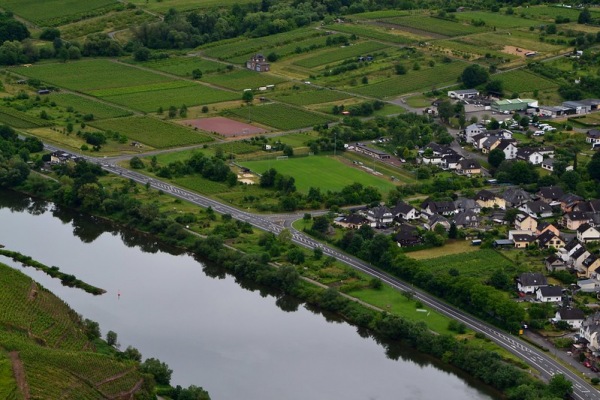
x=19, y=373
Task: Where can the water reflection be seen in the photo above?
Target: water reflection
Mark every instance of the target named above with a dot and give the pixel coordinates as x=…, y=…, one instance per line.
x=236, y=343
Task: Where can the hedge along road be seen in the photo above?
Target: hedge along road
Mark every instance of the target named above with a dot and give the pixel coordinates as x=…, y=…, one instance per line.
x=546, y=365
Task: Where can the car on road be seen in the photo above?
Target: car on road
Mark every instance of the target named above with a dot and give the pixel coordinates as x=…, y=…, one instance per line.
x=587, y=364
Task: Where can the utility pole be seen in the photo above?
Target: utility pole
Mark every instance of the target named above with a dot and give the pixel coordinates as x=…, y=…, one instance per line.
x=335, y=144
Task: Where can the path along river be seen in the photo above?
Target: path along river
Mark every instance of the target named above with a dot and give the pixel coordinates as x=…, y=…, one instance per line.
x=236, y=340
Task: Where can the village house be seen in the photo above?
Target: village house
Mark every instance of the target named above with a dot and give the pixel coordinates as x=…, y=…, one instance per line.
x=590, y=331
x=439, y=207
x=575, y=219
x=405, y=212
x=514, y=197
x=593, y=137
x=544, y=226
x=549, y=240
x=568, y=202
x=577, y=259
x=529, y=282
x=450, y=161
x=490, y=144
x=487, y=199
x=549, y=294
x=572, y=316
x=509, y=149
x=589, y=266
x=380, y=217
x=352, y=221
x=434, y=220
x=530, y=155
x=548, y=164
x=525, y=222
x=522, y=240
x=407, y=236
x=465, y=204
x=466, y=219
x=472, y=130
x=468, y=167
x=258, y=63
x=587, y=233
x=537, y=209
x=591, y=206
x=550, y=194
x=554, y=263
x=570, y=248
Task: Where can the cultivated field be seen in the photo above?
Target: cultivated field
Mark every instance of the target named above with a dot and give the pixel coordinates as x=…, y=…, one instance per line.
x=177, y=93
x=152, y=131
x=338, y=54
x=497, y=20
x=110, y=22
x=88, y=75
x=423, y=80
x=479, y=264
x=185, y=5
x=279, y=116
x=183, y=66
x=332, y=174
x=241, y=79
x=524, y=81
x=375, y=32
x=309, y=97
x=436, y=26
x=84, y=106
x=18, y=119
x=49, y=12
x=223, y=126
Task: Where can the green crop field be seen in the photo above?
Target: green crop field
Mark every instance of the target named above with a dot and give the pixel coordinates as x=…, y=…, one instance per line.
x=84, y=105
x=183, y=66
x=524, y=81
x=523, y=39
x=227, y=49
x=497, y=20
x=163, y=6
x=423, y=80
x=88, y=75
x=436, y=25
x=152, y=131
x=18, y=119
x=478, y=264
x=190, y=94
x=241, y=79
x=311, y=97
x=551, y=12
x=381, y=14
x=279, y=116
x=49, y=11
x=374, y=32
x=332, y=174
x=460, y=46
x=110, y=22
x=50, y=342
x=338, y=54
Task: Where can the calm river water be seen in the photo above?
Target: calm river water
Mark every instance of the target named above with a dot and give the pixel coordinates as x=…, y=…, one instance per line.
x=236, y=341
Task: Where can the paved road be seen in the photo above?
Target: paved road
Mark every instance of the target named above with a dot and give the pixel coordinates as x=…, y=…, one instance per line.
x=543, y=363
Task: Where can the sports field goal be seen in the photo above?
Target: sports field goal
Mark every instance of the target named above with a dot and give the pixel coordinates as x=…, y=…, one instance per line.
x=282, y=158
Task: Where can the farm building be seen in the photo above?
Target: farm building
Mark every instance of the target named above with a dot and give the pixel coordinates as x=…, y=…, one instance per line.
x=592, y=136
x=553, y=111
x=258, y=63
x=463, y=94
x=509, y=105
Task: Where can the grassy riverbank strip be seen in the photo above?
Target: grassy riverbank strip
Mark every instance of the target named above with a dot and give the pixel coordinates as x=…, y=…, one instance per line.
x=54, y=272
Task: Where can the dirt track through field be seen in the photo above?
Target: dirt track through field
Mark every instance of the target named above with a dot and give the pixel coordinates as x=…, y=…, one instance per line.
x=19, y=373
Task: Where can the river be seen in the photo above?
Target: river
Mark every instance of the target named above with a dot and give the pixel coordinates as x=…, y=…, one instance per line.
x=235, y=340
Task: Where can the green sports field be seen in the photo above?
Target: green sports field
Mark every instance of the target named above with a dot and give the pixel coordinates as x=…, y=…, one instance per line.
x=324, y=172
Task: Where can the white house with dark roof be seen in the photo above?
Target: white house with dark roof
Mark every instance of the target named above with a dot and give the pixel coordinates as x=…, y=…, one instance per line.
x=530, y=155
x=537, y=209
x=550, y=194
x=549, y=294
x=593, y=137
x=472, y=130
x=380, y=217
x=509, y=149
x=529, y=282
x=587, y=233
x=514, y=197
x=405, y=211
x=572, y=316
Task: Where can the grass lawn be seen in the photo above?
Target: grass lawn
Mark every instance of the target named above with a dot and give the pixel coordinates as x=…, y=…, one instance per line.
x=152, y=131
x=451, y=247
x=393, y=301
x=419, y=101
x=324, y=172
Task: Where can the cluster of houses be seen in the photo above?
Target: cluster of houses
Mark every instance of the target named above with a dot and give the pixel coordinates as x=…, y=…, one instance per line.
x=447, y=158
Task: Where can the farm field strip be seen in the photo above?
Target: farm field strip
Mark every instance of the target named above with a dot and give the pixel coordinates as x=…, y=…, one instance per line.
x=479, y=264
x=92, y=74
x=372, y=32
x=279, y=116
x=423, y=79
x=48, y=10
x=193, y=95
x=186, y=5
x=497, y=20
x=241, y=79
x=110, y=22
x=18, y=119
x=311, y=97
x=338, y=54
x=520, y=39
x=332, y=174
x=183, y=66
x=524, y=81
x=460, y=45
x=84, y=105
x=435, y=25
x=152, y=131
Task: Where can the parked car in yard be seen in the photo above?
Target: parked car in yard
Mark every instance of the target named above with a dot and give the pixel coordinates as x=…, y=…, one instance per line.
x=587, y=364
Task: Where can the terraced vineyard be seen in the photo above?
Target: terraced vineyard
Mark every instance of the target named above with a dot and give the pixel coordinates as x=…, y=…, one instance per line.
x=43, y=339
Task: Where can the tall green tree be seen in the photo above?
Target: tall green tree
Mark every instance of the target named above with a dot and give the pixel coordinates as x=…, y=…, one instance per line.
x=474, y=75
